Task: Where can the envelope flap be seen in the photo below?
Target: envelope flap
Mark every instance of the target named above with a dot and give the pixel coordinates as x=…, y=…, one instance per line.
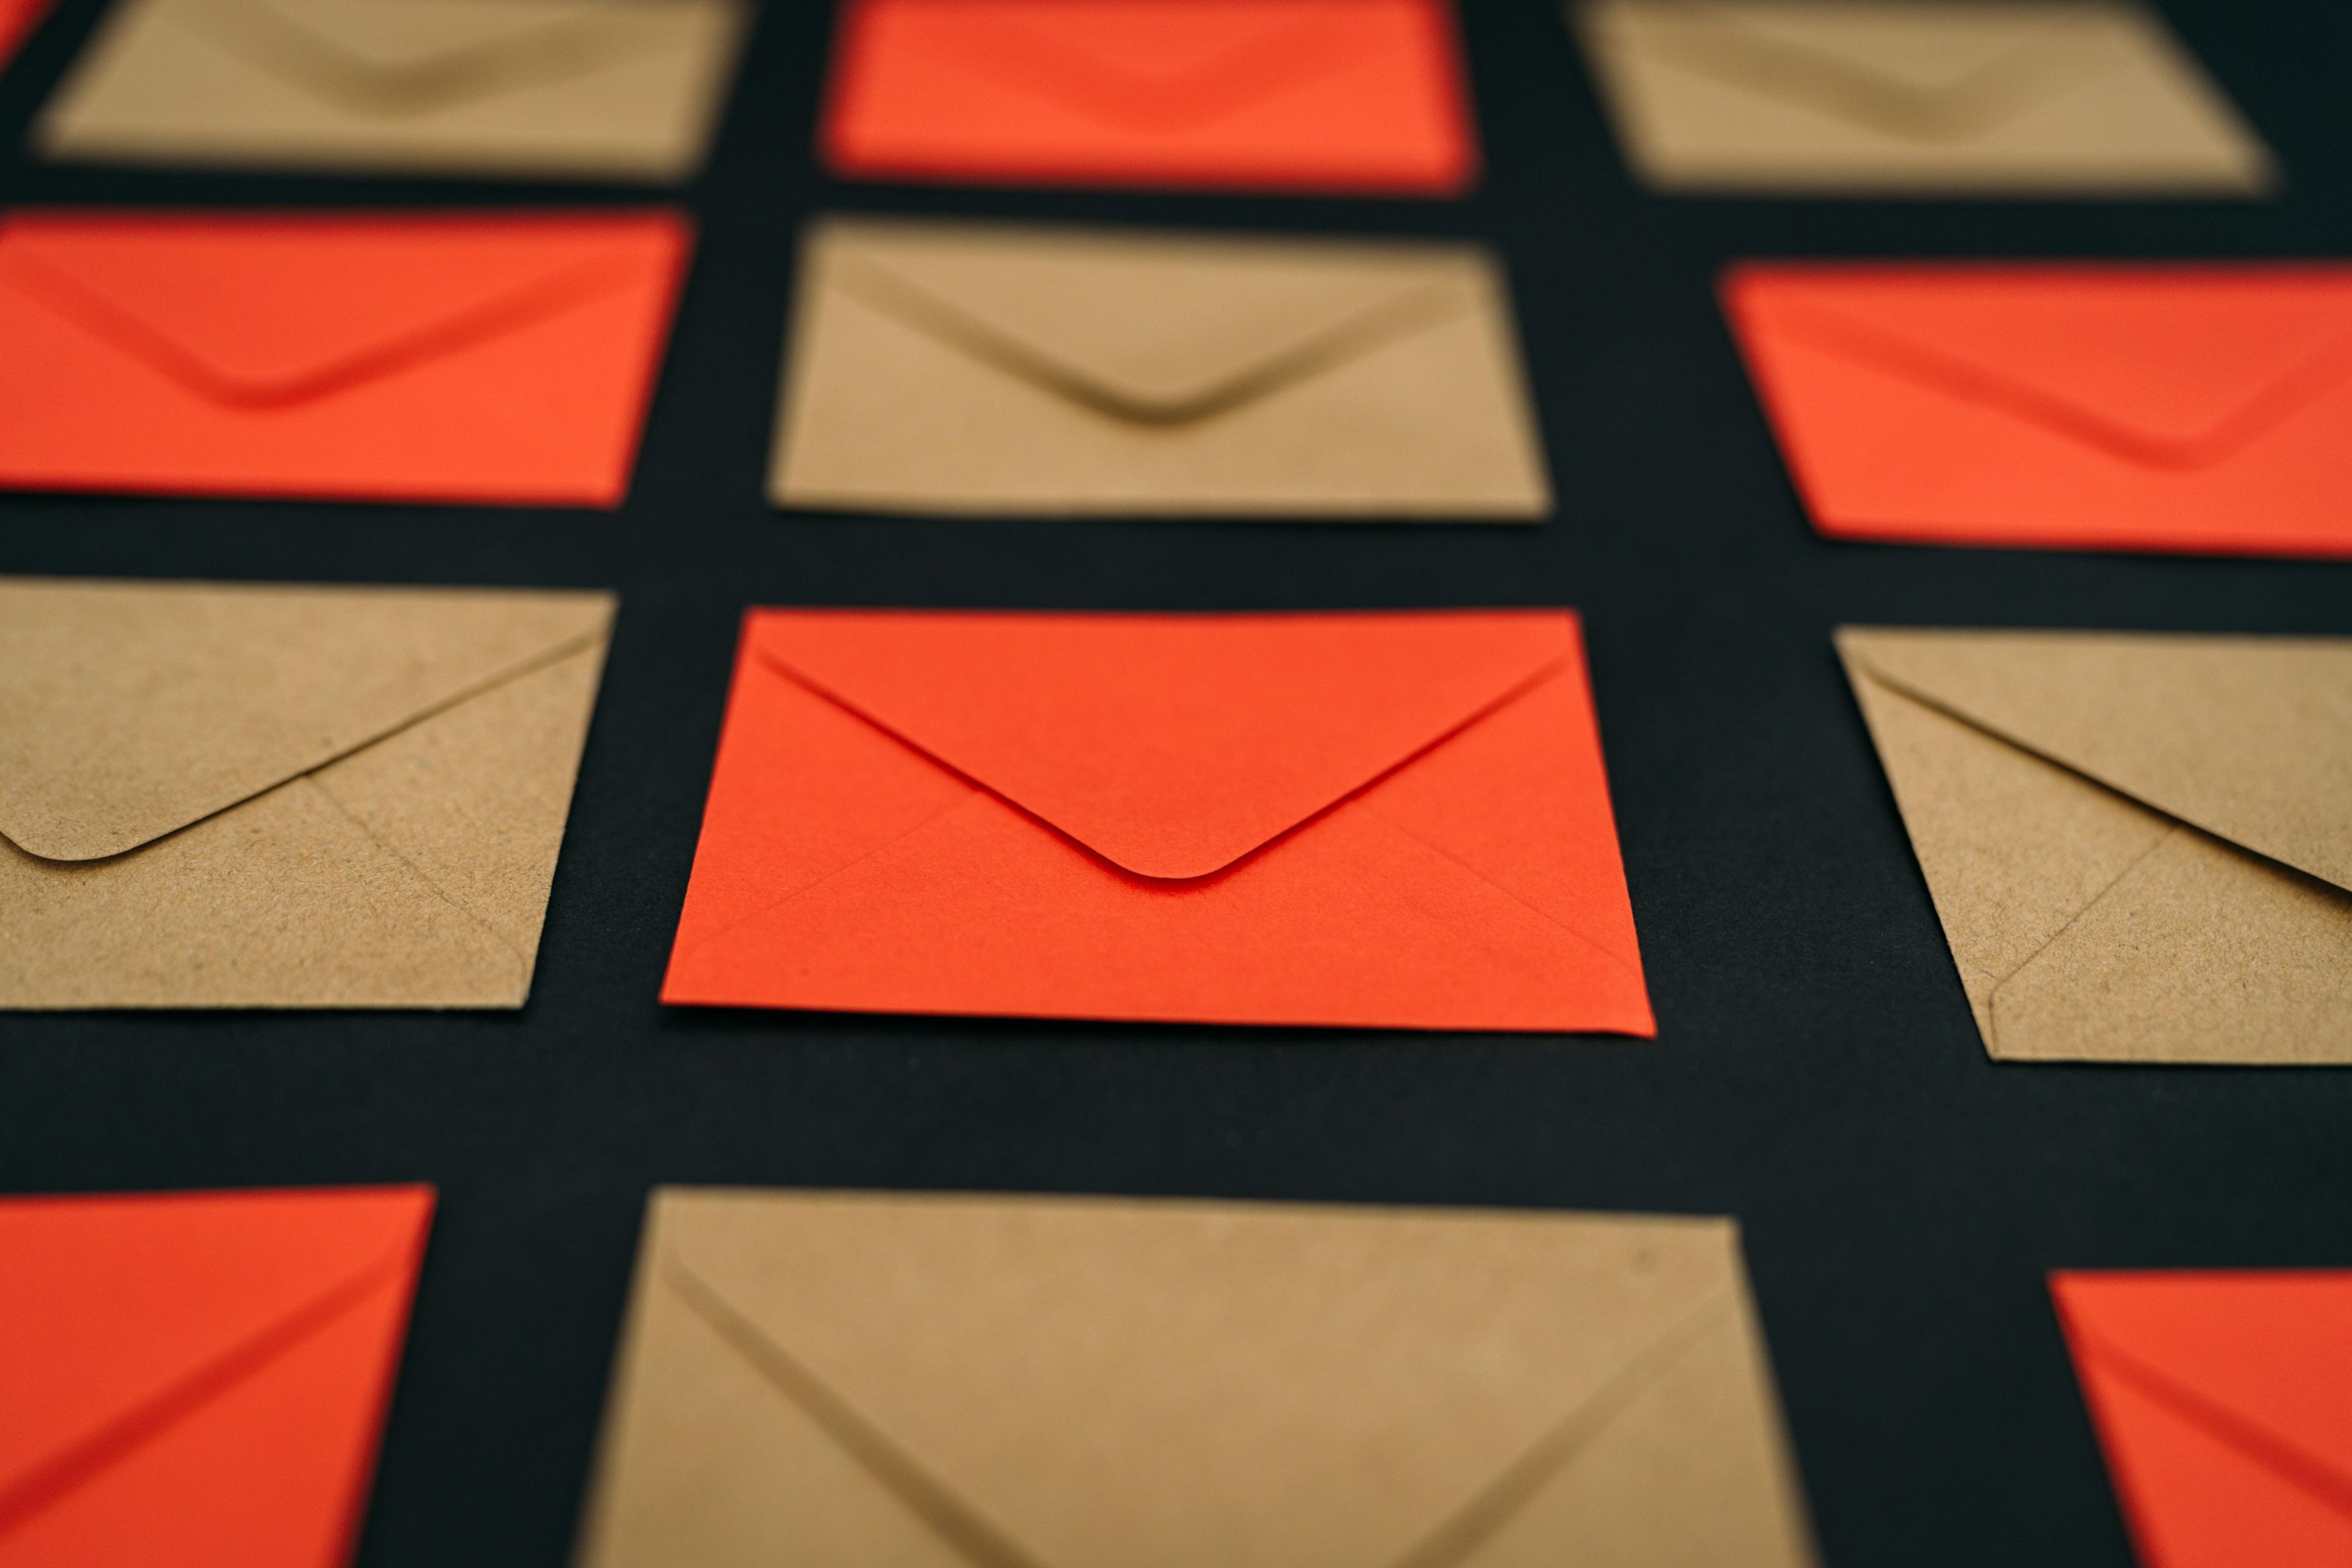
x=2171, y=365
x=266, y=312
x=1170, y=746
x=1927, y=48
x=129, y=710
x=2248, y=737
x=108, y=1305
x=394, y=34
x=2263, y=1357
x=1150, y=327
x=1183, y=1384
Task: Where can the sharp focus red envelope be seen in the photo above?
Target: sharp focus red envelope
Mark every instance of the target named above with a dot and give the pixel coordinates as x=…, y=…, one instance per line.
x=2224, y=1404
x=2169, y=409
x=198, y=1380
x=491, y=360
x=1337, y=95
x=1378, y=820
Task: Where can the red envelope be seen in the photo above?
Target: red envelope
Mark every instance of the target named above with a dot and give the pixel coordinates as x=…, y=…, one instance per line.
x=197, y=1380
x=493, y=360
x=2196, y=409
x=1311, y=95
x=17, y=20
x=1378, y=820
x=2224, y=1404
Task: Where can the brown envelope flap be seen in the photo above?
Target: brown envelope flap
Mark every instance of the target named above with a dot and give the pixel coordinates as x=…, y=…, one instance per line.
x=398, y=59
x=129, y=710
x=252, y=312
x=1169, y=745
x=1929, y=74
x=1061, y=1383
x=2248, y=739
x=1148, y=329
x=2175, y=367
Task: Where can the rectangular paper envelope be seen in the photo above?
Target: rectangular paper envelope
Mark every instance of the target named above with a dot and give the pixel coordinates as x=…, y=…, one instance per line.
x=1377, y=820
x=935, y=1382
x=2139, y=846
x=1338, y=96
x=493, y=360
x=2224, y=1404
x=968, y=368
x=199, y=1378
x=1941, y=97
x=2189, y=409
x=626, y=89
x=262, y=796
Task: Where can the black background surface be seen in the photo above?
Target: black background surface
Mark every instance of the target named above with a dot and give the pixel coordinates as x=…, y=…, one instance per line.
x=1816, y=1072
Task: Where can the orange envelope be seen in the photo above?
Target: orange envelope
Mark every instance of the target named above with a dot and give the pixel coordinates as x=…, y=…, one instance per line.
x=2170, y=408
x=501, y=360
x=1312, y=95
x=17, y=20
x=1376, y=820
x=2224, y=1402
x=195, y=1380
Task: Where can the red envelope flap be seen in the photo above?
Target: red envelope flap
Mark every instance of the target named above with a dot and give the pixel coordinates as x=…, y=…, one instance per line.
x=1170, y=746
x=2172, y=367
x=269, y=312
x=1147, y=65
x=2261, y=1360
x=118, y=1312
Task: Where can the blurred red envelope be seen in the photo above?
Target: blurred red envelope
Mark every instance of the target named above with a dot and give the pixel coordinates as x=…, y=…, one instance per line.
x=499, y=360
x=199, y=1378
x=17, y=20
x=1392, y=820
x=1339, y=95
x=2224, y=1402
x=2169, y=409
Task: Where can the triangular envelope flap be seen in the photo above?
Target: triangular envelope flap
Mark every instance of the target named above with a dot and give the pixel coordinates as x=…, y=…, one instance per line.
x=269, y=309
x=130, y=709
x=1170, y=746
x=2272, y=1350
x=2178, y=354
x=2248, y=737
x=1927, y=48
x=106, y=1303
x=1160, y=319
x=396, y=33
x=1149, y=43
x=1176, y=1383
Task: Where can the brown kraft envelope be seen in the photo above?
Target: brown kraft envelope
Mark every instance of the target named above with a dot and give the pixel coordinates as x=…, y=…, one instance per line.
x=2140, y=846
x=976, y=369
x=2017, y=97
x=262, y=796
x=961, y=1382
x=595, y=89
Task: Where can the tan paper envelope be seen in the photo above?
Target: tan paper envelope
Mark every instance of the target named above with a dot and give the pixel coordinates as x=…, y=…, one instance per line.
x=1936, y=97
x=955, y=368
x=2140, y=846
x=261, y=796
x=618, y=89
x=897, y=1382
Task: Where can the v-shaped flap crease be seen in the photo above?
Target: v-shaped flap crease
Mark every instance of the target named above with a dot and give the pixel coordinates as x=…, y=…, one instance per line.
x=1317, y=1390
x=131, y=710
x=1169, y=745
x=265, y=314
x=2248, y=739
x=1154, y=330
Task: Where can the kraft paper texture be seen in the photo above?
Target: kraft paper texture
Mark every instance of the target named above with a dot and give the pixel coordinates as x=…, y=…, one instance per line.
x=2140, y=846
x=594, y=88
x=249, y=796
x=1933, y=96
x=898, y=1382
x=938, y=368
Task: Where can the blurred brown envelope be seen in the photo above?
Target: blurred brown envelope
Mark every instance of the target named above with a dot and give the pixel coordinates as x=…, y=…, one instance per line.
x=895, y=1382
x=975, y=369
x=218, y=796
x=617, y=89
x=2012, y=97
x=2141, y=846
